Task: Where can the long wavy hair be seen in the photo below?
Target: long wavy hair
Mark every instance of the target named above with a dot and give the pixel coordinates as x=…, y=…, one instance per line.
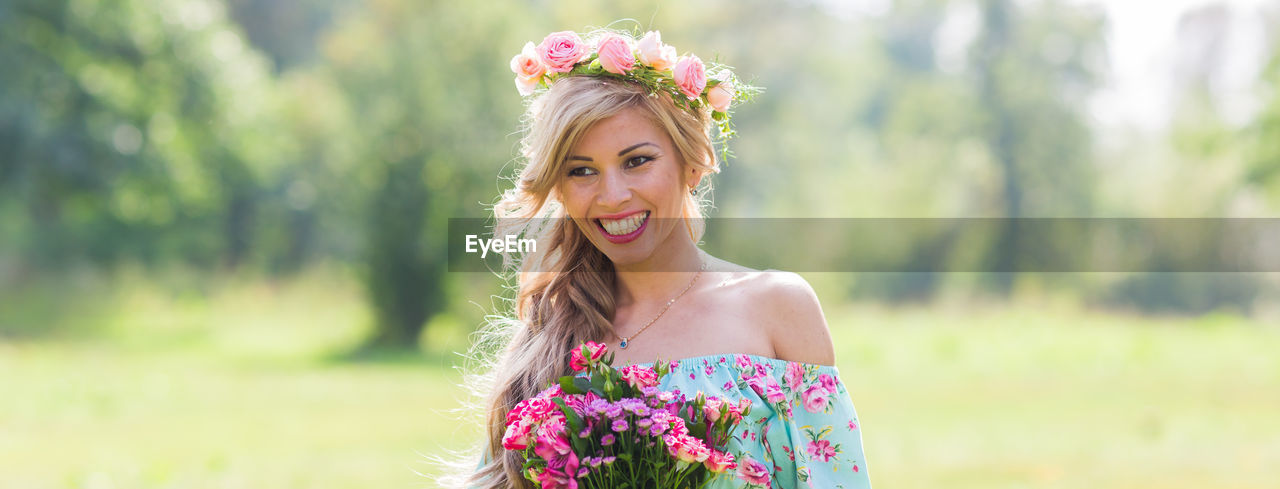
x=564, y=294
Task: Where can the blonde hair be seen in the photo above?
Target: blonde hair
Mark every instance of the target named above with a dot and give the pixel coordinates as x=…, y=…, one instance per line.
x=565, y=293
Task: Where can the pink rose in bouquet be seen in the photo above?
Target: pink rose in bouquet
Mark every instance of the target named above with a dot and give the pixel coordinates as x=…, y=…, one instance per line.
x=603, y=427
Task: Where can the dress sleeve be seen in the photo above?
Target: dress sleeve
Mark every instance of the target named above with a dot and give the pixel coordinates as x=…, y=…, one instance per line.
x=484, y=460
x=822, y=432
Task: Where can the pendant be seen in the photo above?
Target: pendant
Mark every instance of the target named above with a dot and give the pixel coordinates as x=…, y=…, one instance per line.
x=623, y=345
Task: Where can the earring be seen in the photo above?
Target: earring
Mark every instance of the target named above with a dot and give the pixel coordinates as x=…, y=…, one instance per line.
x=693, y=191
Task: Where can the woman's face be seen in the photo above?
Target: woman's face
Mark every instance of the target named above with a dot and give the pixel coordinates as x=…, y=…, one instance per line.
x=624, y=186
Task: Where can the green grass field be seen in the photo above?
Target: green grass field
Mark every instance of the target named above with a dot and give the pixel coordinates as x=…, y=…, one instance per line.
x=237, y=387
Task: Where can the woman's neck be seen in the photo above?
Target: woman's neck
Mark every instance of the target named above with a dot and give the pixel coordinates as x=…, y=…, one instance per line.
x=660, y=277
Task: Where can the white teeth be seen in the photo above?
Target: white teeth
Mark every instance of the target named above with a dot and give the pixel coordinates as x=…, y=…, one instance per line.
x=628, y=225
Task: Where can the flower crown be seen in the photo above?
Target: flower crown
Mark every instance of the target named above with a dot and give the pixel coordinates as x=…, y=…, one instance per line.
x=690, y=82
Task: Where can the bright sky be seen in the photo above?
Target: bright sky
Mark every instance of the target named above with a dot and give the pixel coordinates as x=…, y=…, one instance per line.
x=1142, y=47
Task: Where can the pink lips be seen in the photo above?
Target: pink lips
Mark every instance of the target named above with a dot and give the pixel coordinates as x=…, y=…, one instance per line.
x=623, y=238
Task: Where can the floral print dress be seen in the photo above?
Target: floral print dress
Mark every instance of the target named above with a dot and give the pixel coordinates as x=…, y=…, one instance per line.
x=802, y=422
x=802, y=426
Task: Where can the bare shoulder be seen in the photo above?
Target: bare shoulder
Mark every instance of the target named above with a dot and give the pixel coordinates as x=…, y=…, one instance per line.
x=786, y=309
x=794, y=318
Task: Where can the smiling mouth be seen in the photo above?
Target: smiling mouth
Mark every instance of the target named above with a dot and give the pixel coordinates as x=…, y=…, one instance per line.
x=622, y=227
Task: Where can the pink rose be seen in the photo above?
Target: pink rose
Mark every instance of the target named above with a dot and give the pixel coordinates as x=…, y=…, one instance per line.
x=528, y=69
x=821, y=450
x=720, y=461
x=816, y=399
x=654, y=53
x=753, y=472
x=639, y=376
x=720, y=96
x=691, y=76
x=615, y=55
x=559, y=51
x=586, y=355
x=596, y=350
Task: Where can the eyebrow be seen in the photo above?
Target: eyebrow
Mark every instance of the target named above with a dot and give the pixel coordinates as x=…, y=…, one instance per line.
x=626, y=150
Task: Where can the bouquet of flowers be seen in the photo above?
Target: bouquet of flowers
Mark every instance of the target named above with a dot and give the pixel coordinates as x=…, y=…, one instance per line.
x=613, y=428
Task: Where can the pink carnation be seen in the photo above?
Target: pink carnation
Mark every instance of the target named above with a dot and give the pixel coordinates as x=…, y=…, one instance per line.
x=534, y=409
x=690, y=76
x=559, y=51
x=712, y=409
x=578, y=402
x=561, y=473
x=640, y=376
x=517, y=436
x=720, y=461
x=686, y=448
x=615, y=55
x=552, y=440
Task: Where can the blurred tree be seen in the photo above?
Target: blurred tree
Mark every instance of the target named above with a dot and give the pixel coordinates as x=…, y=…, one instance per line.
x=1035, y=65
x=288, y=32
x=1264, y=133
x=134, y=129
x=431, y=95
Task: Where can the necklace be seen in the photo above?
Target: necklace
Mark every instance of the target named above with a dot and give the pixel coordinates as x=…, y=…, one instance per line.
x=626, y=340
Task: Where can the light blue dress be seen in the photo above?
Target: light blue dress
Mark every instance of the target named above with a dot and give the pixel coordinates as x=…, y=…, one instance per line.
x=802, y=422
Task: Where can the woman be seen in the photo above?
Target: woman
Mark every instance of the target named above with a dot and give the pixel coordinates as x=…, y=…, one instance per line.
x=615, y=151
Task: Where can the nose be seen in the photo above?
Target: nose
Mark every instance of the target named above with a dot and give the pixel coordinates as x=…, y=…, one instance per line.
x=615, y=191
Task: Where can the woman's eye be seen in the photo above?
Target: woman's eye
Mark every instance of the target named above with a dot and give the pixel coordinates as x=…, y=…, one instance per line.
x=582, y=171
x=637, y=161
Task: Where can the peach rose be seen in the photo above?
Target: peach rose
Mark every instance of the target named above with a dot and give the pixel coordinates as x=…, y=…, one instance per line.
x=654, y=53
x=691, y=76
x=559, y=51
x=528, y=69
x=615, y=55
x=720, y=96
